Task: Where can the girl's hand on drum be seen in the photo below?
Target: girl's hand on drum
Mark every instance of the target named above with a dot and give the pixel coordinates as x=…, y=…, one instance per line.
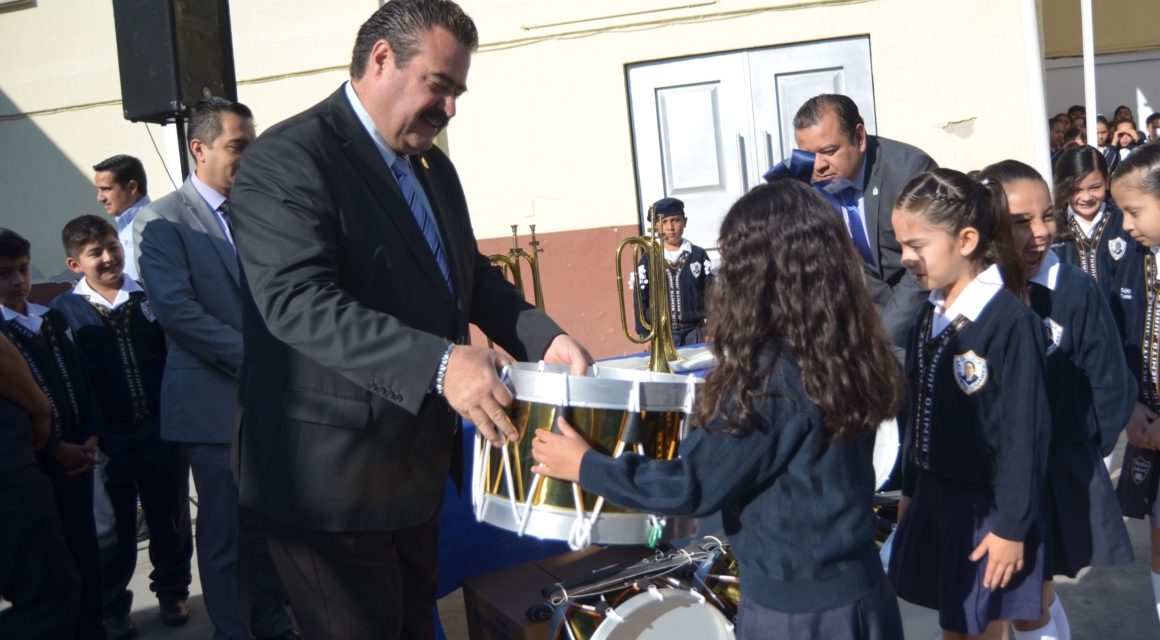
x=1004, y=560
x=472, y=387
x=559, y=455
x=565, y=350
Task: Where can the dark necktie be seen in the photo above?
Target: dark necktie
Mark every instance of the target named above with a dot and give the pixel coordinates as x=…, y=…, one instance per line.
x=410, y=188
x=224, y=210
x=849, y=198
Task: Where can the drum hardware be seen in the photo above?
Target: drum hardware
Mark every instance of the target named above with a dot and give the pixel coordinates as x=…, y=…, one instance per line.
x=660, y=329
x=650, y=599
x=617, y=410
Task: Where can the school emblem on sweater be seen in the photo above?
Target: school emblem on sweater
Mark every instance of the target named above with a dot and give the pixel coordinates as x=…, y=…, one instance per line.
x=970, y=372
x=1117, y=247
x=696, y=269
x=147, y=311
x=1054, y=334
x=1140, y=468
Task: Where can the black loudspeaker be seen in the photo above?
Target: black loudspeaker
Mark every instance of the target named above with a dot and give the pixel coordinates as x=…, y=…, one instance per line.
x=171, y=54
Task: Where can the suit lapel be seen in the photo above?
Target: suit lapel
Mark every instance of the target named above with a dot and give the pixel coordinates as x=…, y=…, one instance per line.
x=382, y=183
x=871, y=199
x=200, y=212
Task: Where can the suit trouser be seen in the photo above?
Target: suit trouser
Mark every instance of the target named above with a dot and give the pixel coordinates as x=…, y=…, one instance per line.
x=74, y=501
x=376, y=585
x=141, y=463
x=239, y=584
x=37, y=572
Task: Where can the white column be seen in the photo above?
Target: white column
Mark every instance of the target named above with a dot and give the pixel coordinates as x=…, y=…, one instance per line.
x=1033, y=59
x=1089, y=68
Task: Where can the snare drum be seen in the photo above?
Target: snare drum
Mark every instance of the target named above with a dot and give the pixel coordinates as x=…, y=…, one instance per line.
x=618, y=411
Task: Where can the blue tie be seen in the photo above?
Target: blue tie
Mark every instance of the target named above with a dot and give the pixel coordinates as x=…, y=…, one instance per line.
x=410, y=188
x=849, y=198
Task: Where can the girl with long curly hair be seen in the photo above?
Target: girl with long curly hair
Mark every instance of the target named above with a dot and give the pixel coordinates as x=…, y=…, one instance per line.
x=977, y=429
x=804, y=376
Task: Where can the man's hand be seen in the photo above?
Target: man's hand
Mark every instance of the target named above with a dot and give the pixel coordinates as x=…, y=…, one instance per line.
x=74, y=458
x=564, y=350
x=1004, y=560
x=473, y=388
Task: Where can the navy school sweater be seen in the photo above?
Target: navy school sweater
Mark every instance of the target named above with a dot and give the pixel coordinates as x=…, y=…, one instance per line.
x=124, y=355
x=1090, y=388
x=796, y=507
x=992, y=432
x=1099, y=256
x=58, y=368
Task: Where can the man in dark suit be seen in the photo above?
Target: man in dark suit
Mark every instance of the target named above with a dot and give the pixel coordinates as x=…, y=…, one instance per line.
x=875, y=171
x=190, y=270
x=361, y=274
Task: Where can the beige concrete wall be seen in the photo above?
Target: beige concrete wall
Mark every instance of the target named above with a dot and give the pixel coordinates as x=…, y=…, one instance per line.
x=60, y=94
x=543, y=134
x=1119, y=26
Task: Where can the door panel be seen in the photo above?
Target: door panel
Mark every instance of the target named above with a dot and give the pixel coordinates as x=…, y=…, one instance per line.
x=706, y=128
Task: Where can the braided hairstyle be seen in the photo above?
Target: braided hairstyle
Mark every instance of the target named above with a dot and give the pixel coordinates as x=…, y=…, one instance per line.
x=953, y=201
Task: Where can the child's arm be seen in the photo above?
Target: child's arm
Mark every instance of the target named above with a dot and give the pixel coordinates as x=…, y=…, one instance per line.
x=1100, y=355
x=1025, y=432
x=18, y=387
x=711, y=467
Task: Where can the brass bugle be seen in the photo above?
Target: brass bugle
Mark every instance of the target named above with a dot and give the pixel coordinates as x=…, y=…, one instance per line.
x=510, y=265
x=658, y=323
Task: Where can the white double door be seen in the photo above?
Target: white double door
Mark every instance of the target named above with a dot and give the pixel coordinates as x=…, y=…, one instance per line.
x=706, y=128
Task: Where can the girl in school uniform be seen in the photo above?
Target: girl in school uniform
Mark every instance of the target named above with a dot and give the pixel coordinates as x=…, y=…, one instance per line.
x=1136, y=187
x=1092, y=396
x=1089, y=226
x=968, y=541
x=787, y=423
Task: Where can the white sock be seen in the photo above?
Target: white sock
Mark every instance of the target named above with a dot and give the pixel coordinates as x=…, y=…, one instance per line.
x=1046, y=632
x=1109, y=460
x=1059, y=617
x=1156, y=591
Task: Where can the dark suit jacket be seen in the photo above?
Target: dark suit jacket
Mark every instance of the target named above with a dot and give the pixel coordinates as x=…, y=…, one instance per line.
x=897, y=295
x=345, y=318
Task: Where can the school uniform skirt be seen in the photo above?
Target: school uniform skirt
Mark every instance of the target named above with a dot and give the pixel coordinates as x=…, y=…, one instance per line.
x=1082, y=522
x=930, y=564
x=874, y=616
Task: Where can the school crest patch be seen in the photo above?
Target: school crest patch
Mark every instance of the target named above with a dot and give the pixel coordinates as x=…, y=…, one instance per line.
x=1140, y=468
x=147, y=311
x=1117, y=247
x=1054, y=334
x=970, y=372
x=696, y=269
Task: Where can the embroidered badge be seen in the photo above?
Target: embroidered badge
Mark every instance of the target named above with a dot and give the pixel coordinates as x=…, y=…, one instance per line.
x=1140, y=468
x=970, y=372
x=708, y=268
x=147, y=311
x=1054, y=334
x=696, y=269
x=1117, y=247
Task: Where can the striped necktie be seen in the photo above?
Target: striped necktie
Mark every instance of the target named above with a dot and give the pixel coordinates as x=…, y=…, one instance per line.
x=410, y=188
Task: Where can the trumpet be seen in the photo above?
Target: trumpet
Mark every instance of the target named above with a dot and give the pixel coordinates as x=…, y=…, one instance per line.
x=510, y=264
x=662, y=351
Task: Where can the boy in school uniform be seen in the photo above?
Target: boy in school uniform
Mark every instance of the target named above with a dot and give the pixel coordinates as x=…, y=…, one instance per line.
x=124, y=349
x=68, y=457
x=37, y=573
x=689, y=272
